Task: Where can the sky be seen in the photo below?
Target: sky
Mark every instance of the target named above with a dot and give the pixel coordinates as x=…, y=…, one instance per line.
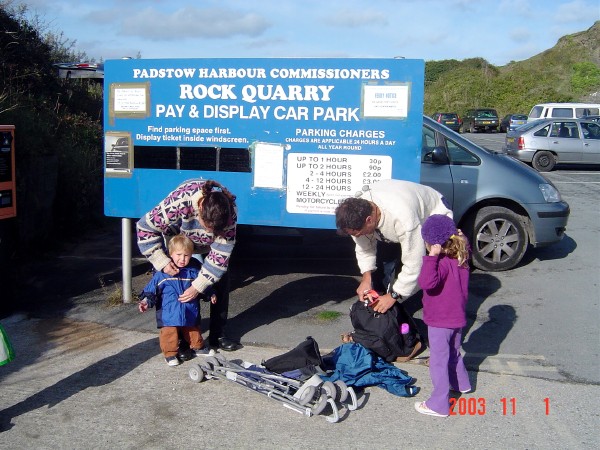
x=499, y=31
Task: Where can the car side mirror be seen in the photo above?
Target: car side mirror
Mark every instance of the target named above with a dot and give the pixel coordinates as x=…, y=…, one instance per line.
x=439, y=156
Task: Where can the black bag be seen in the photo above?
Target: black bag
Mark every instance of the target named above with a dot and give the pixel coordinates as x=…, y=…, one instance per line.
x=304, y=356
x=381, y=332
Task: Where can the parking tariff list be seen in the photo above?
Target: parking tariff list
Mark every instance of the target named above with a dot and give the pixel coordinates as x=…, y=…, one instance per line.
x=317, y=183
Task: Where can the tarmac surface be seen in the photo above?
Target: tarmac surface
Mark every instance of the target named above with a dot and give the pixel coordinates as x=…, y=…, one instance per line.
x=88, y=372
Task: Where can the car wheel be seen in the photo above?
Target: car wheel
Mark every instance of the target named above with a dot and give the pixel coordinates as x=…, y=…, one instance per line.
x=543, y=161
x=499, y=239
x=472, y=129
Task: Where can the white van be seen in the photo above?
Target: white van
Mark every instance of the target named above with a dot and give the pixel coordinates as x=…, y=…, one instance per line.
x=563, y=110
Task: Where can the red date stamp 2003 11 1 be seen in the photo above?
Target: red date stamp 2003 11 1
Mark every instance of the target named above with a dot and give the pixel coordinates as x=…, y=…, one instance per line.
x=477, y=406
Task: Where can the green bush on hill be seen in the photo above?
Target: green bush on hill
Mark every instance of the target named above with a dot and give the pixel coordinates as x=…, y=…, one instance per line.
x=568, y=72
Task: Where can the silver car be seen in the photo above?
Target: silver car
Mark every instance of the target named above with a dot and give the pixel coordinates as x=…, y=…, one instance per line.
x=545, y=143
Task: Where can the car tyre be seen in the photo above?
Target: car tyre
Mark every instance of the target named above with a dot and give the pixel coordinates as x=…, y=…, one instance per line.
x=499, y=239
x=472, y=129
x=543, y=161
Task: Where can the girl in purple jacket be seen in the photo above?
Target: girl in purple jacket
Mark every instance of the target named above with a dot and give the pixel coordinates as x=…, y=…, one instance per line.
x=444, y=279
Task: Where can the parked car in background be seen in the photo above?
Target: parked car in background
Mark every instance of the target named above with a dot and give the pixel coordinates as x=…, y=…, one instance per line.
x=545, y=143
x=563, y=111
x=80, y=70
x=451, y=120
x=480, y=119
x=512, y=121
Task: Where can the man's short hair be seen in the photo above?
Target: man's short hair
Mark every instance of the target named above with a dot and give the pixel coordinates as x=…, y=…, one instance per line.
x=351, y=214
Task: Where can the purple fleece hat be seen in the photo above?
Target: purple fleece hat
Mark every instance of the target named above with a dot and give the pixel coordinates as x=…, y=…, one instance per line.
x=437, y=229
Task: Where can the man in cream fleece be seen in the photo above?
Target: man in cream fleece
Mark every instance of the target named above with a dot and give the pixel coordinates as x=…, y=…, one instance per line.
x=386, y=213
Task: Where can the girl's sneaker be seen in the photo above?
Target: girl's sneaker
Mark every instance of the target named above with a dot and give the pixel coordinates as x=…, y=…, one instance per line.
x=424, y=409
x=172, y=361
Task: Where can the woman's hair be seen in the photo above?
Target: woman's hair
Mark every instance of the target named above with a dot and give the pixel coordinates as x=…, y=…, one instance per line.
x=217, y=205
x=182, y=242
x=457, y=247
x=351, y=214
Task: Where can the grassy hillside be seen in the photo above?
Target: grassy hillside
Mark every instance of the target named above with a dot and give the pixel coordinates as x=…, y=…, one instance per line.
x=569, y=71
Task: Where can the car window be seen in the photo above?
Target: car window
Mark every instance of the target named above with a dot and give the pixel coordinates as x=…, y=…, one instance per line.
x=529, y=126
x=564, y=130
x=536, y=112
x=590, y=130
x=427, y=144
x=519, y=117
x=580, y=112
x=485, y=114
x=542, y=132
x=459, y=155
x=562, y=112
x=448, y=116
x=573, y=130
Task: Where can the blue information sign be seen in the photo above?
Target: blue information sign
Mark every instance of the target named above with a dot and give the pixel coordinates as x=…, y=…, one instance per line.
x=290, y=137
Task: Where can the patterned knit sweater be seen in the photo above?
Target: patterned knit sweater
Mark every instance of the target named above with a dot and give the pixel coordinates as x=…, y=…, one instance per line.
x=178, y=214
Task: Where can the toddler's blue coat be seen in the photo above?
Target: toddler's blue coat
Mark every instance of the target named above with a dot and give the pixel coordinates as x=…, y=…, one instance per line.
x=163, y=291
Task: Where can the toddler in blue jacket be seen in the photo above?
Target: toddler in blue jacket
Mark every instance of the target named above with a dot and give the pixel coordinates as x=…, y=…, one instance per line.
x=173, y=317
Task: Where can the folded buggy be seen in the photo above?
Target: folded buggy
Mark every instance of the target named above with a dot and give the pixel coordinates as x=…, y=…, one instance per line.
x=309, y=397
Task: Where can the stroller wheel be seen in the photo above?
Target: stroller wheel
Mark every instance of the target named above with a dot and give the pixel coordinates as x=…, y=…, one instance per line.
x=221, y=359
x=209, y=363
x=329, y=389
x=196, y=373
x=307, y=395
x=342, y=390
x=320, y=405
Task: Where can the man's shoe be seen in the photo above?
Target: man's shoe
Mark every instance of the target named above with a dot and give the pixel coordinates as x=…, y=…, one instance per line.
x=228, y=345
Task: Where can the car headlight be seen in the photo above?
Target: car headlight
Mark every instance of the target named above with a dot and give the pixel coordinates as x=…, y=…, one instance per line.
x=550, y=193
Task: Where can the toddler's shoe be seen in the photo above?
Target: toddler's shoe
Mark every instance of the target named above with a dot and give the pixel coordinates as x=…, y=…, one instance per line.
x=422, y=408
x=172, y=361
x=204, y=351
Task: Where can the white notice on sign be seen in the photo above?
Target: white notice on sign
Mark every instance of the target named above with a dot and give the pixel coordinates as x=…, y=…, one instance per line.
x=316, y=183
x=389, y=102
x=128, y=100
x=268, y=166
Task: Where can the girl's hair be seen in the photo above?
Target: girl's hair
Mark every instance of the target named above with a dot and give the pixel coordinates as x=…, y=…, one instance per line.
x=457, y=247
x=181, y=242
x=217, y=206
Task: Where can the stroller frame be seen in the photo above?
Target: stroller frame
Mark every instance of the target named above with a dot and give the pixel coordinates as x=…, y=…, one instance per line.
x=309, y=397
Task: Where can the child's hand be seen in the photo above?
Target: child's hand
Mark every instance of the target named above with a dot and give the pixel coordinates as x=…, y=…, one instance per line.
x=435, y=250
x=213, y=299
x=143, y=306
